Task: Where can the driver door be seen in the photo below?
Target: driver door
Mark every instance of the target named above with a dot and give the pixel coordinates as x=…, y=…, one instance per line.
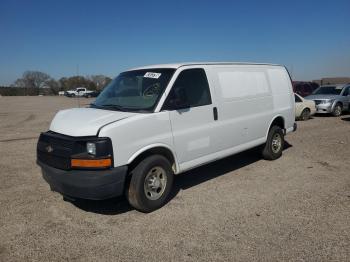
x=193, y=127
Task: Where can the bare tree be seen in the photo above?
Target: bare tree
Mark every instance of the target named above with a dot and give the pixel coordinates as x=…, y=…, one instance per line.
x=33, y=79
x=100, y=81
x=54, y=86
x=76, y=81
x=19, y=83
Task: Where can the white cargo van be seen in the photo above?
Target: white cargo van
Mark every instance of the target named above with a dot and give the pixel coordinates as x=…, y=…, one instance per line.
x=156, y=121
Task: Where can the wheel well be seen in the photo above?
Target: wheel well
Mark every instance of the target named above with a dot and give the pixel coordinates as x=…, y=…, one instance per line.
x=155, y=151
x=278, y=121
x=339, y=102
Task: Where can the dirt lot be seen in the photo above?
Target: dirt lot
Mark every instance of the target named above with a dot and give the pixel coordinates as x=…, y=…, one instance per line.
x=241, y=208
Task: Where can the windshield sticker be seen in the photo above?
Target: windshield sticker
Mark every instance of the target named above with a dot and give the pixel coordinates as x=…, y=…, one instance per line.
x=152, y=75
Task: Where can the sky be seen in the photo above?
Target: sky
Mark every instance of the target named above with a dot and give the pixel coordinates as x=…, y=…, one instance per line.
x=66, y=38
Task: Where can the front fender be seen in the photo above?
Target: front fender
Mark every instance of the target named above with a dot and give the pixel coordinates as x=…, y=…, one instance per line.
x=156, y=145
x=336, y=102
x=273, y=119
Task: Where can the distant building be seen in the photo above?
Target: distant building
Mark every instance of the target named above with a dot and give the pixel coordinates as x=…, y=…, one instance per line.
x=332, y=80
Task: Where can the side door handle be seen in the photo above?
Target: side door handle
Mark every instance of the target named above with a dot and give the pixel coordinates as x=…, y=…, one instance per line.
x=215, y=113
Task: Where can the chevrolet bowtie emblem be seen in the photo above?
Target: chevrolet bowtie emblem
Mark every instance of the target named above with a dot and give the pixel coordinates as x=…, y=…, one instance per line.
x=49, y=149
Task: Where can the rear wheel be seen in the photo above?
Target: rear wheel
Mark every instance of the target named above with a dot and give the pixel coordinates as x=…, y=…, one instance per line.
x=274, y=145
x=337, y=110
x=150, y=184
x=305, y=115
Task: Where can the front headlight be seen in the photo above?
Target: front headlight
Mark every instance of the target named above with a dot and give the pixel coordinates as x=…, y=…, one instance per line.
x=91, y=148
x=327, y=101
x=93, y=153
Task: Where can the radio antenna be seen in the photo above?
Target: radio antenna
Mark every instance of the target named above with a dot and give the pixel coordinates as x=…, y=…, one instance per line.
x=78, y=97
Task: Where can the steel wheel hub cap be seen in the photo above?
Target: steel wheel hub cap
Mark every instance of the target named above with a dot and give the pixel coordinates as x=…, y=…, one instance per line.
x=337, y=110
x=276, y=143
x=155, y=183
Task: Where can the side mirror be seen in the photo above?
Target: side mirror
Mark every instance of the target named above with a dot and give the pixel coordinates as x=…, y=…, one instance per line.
x=179, y=99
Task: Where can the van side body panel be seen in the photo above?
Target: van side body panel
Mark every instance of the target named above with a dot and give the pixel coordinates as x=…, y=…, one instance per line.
x=248, y=98
x=283, y=96
x=244, y=103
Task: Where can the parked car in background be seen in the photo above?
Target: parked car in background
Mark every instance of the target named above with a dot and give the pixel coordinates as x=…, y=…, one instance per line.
x=92, y=94
x=304, y=108
x=61, y=93
x=80, y=91
x=332, y=99
x=304, y=88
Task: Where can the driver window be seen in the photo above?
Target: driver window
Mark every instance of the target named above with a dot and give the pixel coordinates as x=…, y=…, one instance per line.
x=346, y=92
x=195, y=82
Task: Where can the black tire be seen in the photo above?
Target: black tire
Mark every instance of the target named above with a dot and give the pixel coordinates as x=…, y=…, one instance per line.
x=337, y=111
x=270, y=151
x=305, y=115
x=137, y=193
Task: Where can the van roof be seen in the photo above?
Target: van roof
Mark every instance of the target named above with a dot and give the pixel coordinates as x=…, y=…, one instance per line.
x=177, y=65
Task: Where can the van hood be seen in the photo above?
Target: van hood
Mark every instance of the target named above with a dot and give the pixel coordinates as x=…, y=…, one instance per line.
x=85, y=121
x=321, y=97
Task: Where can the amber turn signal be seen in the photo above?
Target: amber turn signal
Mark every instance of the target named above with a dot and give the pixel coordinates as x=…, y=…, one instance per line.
x=93, y=163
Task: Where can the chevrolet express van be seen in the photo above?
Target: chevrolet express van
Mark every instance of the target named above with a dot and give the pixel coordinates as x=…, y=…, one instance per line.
x=151, y=123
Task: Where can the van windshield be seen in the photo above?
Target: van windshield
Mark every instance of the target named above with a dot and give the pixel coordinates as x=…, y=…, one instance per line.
x=138, y=90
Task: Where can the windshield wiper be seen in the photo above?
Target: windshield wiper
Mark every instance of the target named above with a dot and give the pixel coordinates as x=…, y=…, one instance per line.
x=113, y=106
x=109, y=106
x=120, y=108
x=94, y=105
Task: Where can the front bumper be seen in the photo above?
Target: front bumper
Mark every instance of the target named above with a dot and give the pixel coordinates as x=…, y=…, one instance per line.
x=324, y=108
x=86, y=184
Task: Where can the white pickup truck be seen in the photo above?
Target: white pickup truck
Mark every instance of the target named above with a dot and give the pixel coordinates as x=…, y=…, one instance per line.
x=80, y=91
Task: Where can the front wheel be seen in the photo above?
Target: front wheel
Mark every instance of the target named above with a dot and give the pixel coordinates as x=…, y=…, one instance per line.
x=274, y=145
x=150, y=184
x=337, y=110
x=305, y=115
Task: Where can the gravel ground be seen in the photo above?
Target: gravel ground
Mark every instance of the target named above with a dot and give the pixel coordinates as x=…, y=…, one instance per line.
x=241, y=208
